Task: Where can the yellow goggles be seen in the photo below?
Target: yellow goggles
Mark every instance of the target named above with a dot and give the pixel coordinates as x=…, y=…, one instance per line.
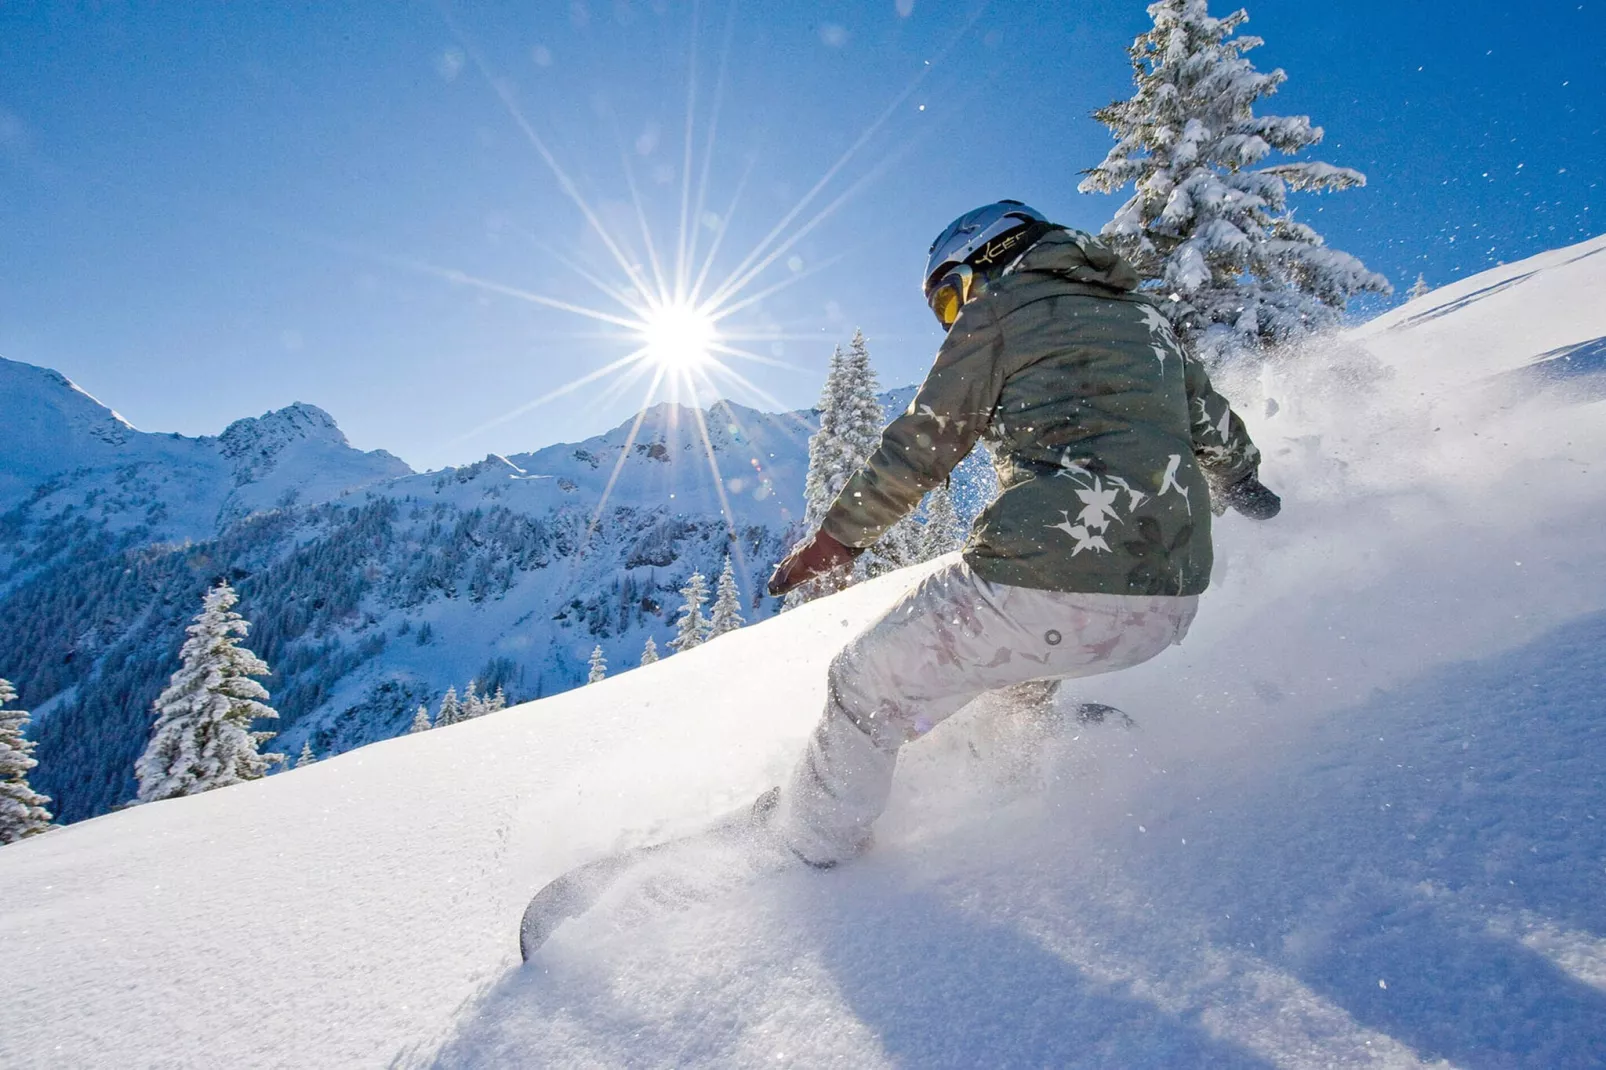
x=951, y=294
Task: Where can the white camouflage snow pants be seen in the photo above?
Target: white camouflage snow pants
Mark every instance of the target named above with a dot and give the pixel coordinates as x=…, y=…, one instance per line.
x=950, y=639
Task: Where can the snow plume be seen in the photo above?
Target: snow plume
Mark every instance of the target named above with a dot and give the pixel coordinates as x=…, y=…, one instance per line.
x=1207, y=228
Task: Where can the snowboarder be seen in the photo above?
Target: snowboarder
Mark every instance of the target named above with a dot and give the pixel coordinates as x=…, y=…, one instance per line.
x=1109, y=443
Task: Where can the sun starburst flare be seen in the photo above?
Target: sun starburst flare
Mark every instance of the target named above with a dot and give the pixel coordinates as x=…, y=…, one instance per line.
x=679, y=321
x=678, y=337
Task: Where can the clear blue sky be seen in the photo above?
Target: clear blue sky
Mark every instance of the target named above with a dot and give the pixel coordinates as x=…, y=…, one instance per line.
x=208, y=210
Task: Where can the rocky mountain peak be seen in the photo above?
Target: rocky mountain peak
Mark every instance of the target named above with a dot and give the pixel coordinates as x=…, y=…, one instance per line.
x=253, y=444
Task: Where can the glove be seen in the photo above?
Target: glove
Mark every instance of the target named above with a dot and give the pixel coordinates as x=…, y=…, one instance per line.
x=1252, y=498
x=816, y=557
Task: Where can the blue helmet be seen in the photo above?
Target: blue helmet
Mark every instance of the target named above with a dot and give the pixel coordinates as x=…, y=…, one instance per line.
x=985, y=237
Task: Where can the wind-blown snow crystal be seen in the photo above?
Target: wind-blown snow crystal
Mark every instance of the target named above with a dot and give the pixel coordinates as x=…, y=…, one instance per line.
x=203, y=737
x=1207, y=227
x=22, y=810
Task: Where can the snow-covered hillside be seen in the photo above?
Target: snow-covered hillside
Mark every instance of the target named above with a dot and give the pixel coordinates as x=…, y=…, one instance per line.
x=1362, y=822
x=506, y=572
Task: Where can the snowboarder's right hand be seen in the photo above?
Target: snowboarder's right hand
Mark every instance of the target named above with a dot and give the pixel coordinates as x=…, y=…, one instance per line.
x=816, y=557
x=1252, y=498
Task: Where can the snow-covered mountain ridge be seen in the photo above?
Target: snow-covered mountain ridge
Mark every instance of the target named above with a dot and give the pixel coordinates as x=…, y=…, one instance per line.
x=507, y=571
x=63, y=449
x=1360, y=825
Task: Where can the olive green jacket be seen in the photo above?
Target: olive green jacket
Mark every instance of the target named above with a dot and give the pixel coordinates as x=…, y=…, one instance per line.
x=1102, y=430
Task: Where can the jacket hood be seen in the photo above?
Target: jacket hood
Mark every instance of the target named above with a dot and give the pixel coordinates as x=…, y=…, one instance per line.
x=1077, y=256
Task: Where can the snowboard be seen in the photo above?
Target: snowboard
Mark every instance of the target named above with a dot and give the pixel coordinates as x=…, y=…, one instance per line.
x=580, y=889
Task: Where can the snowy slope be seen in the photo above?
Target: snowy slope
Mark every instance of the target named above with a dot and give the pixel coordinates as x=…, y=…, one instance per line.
x=1362, y=823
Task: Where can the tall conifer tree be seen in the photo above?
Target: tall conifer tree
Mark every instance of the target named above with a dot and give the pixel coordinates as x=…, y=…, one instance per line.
x=1207, y=227
x=472, y=704
x=649, y=652
x=451, y=710
x=862, y=418
x=941, y=533
x=850, y=430
x=827, y=468
x=726, y=615
x=692, y=626
x=420, y=720
x=597, y=668
x=203, y=737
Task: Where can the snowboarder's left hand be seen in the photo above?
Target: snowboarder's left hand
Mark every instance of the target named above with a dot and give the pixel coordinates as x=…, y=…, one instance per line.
x=816, y=557
x=1252, y=498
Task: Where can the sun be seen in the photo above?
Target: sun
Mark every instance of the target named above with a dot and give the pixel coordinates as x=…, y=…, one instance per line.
x=678, y=337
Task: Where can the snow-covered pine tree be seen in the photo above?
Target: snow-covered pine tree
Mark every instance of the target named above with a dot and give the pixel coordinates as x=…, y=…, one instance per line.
x=827, y=467
x=942, y=532
x=726, y=615
x=1419, y=288
x=306, y=756
x=420, y=720
x=598, y=665
x=649, y=652
x=691, y=625
x=899, y=547
x=472, y=704
x=850, y=430
x=203, y=738
x=1207, y=227
x=451, y=710
x=22, y=810
x=860, y=425
x=861, y=422
x=498, y=700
